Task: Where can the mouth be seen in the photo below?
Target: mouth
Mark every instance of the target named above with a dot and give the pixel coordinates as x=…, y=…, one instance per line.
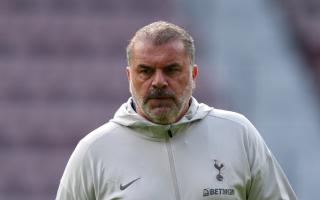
x=161, y=98
x=160, y=102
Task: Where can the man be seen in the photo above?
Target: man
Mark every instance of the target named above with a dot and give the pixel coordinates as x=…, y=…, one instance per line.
x=162, y=144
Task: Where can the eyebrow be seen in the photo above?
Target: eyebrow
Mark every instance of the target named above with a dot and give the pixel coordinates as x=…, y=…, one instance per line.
x=144, y=66
x=173, y=65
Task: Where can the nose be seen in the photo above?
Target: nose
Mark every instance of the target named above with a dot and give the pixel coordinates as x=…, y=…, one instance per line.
x=159, y=80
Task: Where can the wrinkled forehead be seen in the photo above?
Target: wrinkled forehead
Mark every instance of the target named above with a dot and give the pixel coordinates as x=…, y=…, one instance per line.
x=145, y=48
x=147, y=44
x=146, y=52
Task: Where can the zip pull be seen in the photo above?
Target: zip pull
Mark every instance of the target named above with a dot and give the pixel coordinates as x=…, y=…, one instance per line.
x=170, y=133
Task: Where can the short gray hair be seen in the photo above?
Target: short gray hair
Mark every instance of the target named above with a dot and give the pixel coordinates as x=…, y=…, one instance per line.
x=161, y=32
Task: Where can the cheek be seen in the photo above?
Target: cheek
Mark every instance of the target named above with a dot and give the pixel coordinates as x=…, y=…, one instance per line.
x=140, y=87
x=180, y=85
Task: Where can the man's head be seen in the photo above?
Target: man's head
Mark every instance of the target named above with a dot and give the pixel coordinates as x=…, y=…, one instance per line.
x=161, y=71
x=162, y=32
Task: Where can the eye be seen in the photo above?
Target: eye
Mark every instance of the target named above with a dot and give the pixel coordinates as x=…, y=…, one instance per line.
x=145, y=71
x=172, y=69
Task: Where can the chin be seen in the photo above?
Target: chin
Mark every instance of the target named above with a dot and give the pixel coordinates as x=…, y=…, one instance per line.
x=162, y=117
x=161, y=110
x=162, y=121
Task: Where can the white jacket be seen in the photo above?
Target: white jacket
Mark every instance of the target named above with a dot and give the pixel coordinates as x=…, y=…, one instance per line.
x=208, y=154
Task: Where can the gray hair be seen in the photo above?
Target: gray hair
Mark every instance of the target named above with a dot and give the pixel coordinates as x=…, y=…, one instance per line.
x=161, y=32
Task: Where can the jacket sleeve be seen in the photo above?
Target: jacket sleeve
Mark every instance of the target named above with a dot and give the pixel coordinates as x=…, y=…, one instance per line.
x=76, y=182
x=268, y=181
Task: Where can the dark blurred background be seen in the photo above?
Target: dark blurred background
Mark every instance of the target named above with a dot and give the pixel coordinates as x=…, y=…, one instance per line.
x=62, y=74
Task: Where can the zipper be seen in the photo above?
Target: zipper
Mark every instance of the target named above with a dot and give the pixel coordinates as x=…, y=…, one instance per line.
x=172, y=166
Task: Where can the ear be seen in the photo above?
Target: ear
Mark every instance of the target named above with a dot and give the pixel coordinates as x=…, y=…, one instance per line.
x=194, y=72
x=128, y=73
x=194, y=75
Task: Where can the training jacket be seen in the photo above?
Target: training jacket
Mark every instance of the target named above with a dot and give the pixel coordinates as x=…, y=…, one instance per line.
x=208, y=154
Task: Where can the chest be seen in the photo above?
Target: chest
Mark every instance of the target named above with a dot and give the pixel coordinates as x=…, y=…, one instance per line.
x=195, y=165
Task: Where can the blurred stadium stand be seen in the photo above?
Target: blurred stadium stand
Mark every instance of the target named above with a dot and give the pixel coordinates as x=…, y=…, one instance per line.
x=304, y=18
x=62, y=72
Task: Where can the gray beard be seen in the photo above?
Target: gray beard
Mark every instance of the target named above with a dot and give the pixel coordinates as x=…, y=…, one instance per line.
x=166, y=117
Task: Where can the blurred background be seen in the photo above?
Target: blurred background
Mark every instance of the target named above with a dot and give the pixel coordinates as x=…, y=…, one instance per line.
x=62, y=74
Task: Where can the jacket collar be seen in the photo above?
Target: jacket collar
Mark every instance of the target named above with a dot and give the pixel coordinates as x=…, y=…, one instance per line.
x=127, y=116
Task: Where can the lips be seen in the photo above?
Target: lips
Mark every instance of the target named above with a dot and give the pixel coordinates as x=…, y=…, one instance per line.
x=159, y=94
x=160, y=102
x=161, y=98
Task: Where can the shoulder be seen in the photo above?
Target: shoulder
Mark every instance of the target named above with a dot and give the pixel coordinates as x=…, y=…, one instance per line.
x=229, y=117
x=105, y=131
x=234, y=124
x=94, y=142
x=101, y=133
x=81, y=164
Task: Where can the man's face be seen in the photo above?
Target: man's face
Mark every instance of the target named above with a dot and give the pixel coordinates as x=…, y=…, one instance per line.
x=161, y=80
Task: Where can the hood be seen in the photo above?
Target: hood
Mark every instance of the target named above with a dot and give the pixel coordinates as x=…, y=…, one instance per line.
x=127, y=116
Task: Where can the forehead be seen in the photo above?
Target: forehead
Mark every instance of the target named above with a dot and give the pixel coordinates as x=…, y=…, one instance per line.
x=146, y=51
